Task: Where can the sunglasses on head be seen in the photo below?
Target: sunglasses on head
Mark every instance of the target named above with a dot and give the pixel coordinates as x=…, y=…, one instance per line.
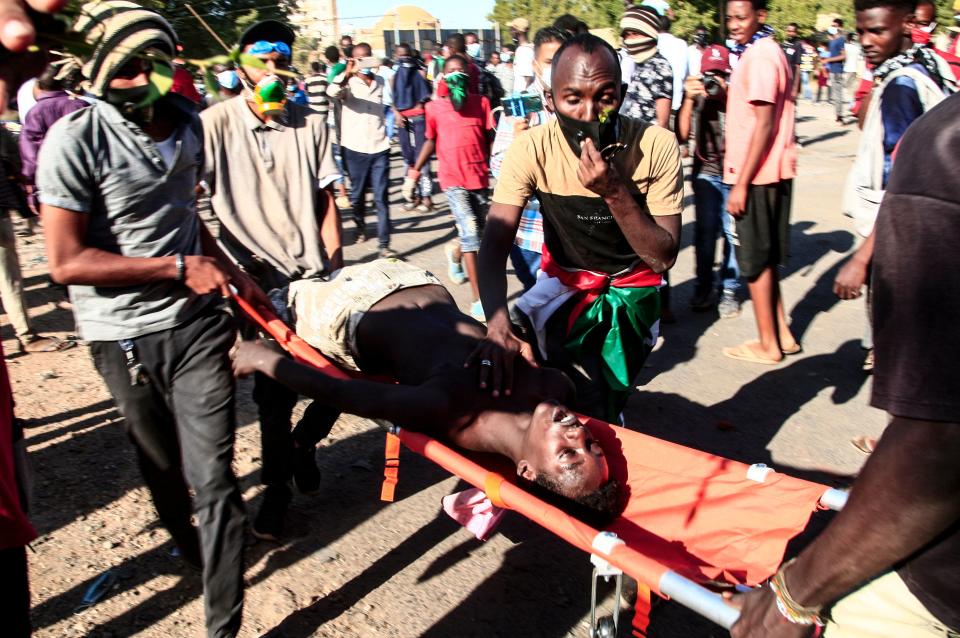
x=262, y=47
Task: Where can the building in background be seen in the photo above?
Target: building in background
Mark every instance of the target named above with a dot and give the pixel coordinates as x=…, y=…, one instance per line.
x=320, y=19
x=317, y=19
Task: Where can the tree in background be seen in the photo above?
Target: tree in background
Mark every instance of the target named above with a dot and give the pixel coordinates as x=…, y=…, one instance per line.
x=688, y=14
x=303, y=48
x=227, y=18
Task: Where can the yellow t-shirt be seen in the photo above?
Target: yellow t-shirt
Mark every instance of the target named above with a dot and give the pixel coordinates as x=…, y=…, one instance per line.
x=579, y=229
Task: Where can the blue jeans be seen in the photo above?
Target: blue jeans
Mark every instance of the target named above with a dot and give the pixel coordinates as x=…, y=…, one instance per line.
x=526, y=263
x=469, y=210
x=390, y=119
x=805, y=85
x=417, y=127
x=371, y=169
x=710, y=202
x=338, y=160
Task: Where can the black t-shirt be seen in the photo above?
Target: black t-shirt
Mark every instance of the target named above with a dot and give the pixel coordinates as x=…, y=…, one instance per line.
x=793, y=51
x=916, y=316
x=708, y=157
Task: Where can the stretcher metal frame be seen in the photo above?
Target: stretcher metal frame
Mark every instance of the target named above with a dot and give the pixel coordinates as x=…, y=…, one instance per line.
x=610, y=558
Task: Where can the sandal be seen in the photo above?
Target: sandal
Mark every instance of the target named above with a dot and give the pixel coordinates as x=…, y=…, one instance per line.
x=38, y=343
x=795, y=349
x=868, y=362
x=744, y=352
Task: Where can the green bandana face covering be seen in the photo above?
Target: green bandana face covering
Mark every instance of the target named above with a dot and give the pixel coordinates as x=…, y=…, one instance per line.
x=603, y=133
x=140, y=97
x=457, y=84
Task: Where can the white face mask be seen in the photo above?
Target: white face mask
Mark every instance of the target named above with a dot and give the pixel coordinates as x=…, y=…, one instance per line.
x=833, y=30
x=545, y=76
x=505, y=57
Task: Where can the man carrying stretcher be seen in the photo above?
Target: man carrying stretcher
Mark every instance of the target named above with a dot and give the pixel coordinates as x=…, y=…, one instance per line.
x=389, y=318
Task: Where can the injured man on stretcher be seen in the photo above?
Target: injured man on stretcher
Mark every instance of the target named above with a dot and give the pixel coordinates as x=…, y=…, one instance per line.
x=389, y=318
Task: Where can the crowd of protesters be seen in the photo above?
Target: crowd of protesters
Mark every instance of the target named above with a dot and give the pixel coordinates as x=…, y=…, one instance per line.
x=587, y=147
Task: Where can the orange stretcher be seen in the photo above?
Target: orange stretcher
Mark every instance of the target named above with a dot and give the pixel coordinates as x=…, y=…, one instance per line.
x=691, y=518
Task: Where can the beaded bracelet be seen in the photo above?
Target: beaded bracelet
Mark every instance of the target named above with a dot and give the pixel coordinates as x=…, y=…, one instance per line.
x=789, y=608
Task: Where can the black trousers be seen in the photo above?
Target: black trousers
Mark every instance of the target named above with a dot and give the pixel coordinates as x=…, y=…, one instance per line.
x=182, y=422
x=15, y=601
x=275, y=403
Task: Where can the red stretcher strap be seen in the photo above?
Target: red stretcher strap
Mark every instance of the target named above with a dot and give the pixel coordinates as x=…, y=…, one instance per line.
x=391, y=468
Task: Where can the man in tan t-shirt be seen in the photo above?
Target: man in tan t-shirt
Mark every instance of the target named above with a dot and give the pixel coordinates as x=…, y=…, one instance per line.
x=611, y=193
x=270, y=168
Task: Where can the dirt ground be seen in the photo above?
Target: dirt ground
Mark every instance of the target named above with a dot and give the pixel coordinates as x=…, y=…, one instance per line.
x=355, y=567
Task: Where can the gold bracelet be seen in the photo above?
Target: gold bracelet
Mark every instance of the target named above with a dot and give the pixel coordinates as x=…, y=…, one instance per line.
x=788, y=607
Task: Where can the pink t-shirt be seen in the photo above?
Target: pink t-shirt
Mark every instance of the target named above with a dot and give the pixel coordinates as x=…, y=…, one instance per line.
x=762, y=75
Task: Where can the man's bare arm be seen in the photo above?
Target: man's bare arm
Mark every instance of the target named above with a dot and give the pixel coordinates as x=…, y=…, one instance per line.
x=501, y=346
x=905, y=496
x=420, y=407
x=331, y=231
x=662, y=107
x=73, y=262
x=760, y=141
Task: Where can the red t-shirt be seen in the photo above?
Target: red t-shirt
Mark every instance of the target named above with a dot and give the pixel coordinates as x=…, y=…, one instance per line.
x=461, y=137
x=15, y=529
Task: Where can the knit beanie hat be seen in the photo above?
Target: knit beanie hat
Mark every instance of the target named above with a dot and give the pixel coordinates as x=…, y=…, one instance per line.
x=119, y=31
x=646, y=22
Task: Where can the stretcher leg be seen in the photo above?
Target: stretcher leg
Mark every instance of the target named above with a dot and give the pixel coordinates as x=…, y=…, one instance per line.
x=607, y=625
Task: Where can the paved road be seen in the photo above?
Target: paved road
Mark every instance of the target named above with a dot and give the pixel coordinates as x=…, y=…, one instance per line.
x=355, y=567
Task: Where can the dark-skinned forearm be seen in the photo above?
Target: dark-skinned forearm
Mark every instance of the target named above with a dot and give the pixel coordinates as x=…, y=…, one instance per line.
x=368, y=399
x=331, y=230
x=492, y=270
x=210, y=248
x=425, y=154
x=864, y=254
x=653, y=244
x=95, y=267
x=685, y=119
x=905, y=496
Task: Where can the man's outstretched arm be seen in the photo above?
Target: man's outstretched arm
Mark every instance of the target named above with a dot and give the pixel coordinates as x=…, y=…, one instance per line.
x=417, y=407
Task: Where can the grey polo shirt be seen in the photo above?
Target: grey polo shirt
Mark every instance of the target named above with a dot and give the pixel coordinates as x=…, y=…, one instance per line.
x=362, y=125
x=98, y=163
x=264, y=180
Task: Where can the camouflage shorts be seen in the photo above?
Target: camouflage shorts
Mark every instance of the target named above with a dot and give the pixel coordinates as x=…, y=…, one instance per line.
x=327, y=313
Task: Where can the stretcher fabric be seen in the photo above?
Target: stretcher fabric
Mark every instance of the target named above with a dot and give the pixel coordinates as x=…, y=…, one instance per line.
x=695, y=513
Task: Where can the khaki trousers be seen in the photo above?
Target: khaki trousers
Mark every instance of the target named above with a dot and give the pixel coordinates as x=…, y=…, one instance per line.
x=11, y=281
x=883, y=608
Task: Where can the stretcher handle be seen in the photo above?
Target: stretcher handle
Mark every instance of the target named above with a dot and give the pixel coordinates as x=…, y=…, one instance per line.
x=299, y=349
x=699, y=599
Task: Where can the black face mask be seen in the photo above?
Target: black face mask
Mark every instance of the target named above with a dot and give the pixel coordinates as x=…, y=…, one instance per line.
x=701, y=39
x=576, y=131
